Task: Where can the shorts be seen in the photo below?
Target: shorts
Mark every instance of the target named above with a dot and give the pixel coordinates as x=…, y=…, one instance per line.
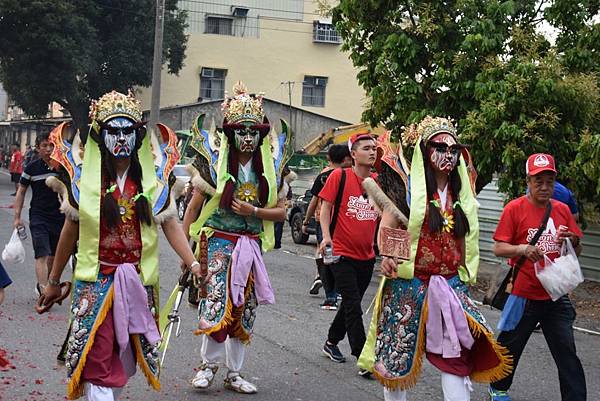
x=15, y=177
x=5, y=281
x=44, y=235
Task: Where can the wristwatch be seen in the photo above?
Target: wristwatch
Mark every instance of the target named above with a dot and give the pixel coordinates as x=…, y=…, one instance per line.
x=53, y=282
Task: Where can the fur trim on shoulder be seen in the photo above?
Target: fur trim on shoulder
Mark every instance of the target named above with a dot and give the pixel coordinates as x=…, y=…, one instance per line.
x=381, y=201
x=63, y=196
x=178, y=188
x=282, y=194
x=291, y=177
x=200, y=183
x=169, y=212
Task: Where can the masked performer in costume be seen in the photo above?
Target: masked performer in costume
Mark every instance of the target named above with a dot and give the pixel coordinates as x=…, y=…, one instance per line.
x=115, y=190
x=233, y=229
x=423, y=304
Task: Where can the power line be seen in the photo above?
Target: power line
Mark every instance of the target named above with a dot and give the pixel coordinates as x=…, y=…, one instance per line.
x=255, y=8
x=201, y=21
x=255, y=18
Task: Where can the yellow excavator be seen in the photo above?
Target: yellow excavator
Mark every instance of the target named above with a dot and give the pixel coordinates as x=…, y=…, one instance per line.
x=338, y=135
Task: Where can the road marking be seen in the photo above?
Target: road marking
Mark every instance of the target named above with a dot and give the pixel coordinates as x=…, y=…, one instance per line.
x=296, y=254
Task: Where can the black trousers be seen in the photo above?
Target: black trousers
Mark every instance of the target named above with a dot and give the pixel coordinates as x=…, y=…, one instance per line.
x=352, y=278
x=557, y=320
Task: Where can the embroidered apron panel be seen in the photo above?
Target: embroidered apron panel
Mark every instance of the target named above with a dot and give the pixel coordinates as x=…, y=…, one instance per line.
x=88, y=300
x=398, y=328
x=213, y=308
x=468, y=305
x=249, y=314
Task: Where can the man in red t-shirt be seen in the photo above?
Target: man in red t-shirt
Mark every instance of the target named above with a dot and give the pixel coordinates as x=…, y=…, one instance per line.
x=352, y=241
x=16, y=166
x=518, y=224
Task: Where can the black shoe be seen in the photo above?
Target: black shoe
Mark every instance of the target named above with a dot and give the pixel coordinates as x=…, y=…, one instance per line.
x=365, y=374
x=316, y=286
x=333, y=352
x=329, y=304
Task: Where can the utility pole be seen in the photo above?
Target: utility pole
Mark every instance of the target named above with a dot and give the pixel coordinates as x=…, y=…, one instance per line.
x=157, y=63
x=290, y=85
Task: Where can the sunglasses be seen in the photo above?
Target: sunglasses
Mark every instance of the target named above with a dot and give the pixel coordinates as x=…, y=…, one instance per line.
x=441, y=147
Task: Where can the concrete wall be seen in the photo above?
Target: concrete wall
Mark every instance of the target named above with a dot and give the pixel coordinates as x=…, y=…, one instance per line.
x=306, y=125
x=283, y=50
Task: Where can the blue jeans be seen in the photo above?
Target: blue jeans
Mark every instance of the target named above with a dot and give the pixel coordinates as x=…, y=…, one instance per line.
x=557, y=320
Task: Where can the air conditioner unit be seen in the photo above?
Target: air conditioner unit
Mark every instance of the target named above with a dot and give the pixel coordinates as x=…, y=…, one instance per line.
x=320, y=81
x=239, y=12
x=208, y=73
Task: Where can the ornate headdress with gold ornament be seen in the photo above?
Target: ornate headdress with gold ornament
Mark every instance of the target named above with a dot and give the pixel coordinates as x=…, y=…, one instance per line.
x=116, y=104
x=427, y=129
x=243, y=107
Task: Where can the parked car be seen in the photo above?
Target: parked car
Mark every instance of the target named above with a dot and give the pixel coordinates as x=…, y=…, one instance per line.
x=181, y=173
x=297, y=211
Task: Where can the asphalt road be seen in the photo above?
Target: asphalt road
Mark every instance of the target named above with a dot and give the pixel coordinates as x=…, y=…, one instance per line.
x=284, y=359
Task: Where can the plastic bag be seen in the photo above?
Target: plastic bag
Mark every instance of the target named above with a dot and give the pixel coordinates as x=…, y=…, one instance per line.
x=14, y=252
x=561, y=275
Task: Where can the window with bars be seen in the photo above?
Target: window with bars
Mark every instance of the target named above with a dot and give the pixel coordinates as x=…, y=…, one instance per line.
x=325, y=33
x=212, y=84
x=218, y=25
x=313, y=91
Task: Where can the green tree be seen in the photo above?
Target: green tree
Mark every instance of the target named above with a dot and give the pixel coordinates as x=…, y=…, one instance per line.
x=72, y=51
x=489, y=65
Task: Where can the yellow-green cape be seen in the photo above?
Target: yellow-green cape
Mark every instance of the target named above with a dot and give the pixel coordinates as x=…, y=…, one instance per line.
x=418, y=208
x=89, y=215
x=267, y=235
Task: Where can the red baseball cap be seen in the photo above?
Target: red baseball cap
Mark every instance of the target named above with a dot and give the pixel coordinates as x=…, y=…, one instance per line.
x=539, y=162
x=358, y=137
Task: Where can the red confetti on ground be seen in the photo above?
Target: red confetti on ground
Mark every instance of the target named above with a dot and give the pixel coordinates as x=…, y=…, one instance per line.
x=39, y=381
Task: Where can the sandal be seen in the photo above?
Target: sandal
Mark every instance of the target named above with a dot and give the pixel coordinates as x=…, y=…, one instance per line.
x=42, y=307
x=234, y=381
x=205, y=376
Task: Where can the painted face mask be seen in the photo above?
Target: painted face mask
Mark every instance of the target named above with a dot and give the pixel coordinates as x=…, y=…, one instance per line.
x=444, y=152
x=246, y=139
x=119, y=136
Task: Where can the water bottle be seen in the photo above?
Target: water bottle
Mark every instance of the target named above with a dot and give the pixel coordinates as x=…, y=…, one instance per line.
x=328, y=257
x=22, y=232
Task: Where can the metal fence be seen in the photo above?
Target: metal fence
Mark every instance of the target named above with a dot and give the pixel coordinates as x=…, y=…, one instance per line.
x=492, y=202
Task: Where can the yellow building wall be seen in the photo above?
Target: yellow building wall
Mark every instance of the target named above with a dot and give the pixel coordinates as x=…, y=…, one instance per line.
x=263, y=63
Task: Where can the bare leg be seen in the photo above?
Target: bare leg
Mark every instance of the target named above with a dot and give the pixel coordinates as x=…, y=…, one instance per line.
x=41, y=270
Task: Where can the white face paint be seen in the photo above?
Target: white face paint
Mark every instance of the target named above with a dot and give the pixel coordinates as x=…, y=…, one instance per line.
x=443, y=152
x=119, y=137
x=246, y=140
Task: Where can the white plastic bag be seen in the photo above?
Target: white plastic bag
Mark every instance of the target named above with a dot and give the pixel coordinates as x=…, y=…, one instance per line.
x=562, y=275
x=14, y=252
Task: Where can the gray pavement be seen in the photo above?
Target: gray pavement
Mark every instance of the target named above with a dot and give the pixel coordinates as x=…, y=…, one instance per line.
x=284, y=359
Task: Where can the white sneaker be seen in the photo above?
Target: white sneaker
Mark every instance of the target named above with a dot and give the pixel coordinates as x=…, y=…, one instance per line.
x=205, y=376
x=235, y=382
